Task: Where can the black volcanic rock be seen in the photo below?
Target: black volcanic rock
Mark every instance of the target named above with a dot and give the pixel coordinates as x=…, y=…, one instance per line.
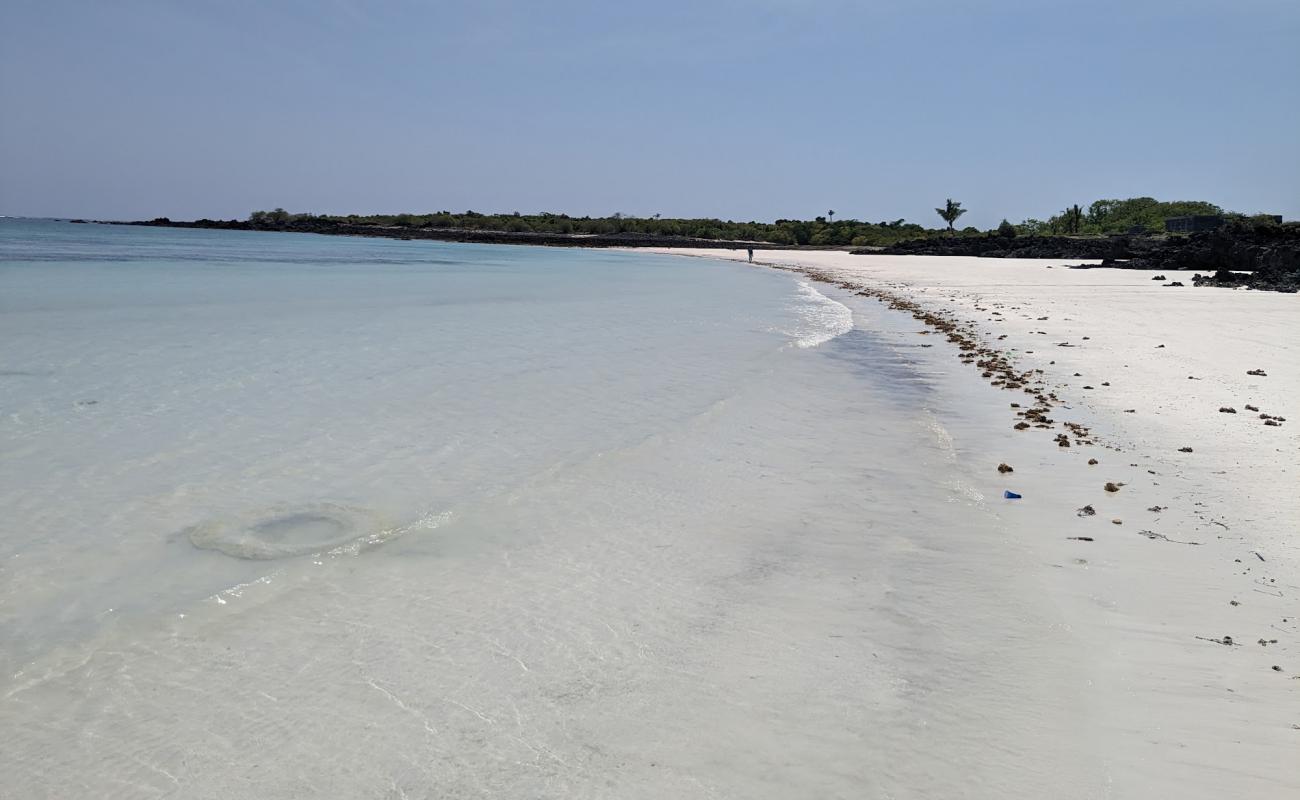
x=334, y=228
x=1254, y=255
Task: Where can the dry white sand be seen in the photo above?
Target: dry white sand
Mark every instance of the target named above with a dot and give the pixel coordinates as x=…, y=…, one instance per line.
x=1147, y=367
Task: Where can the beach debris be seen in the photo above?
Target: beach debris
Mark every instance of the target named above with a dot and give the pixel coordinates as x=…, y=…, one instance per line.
x=1249, y=407
x=1015, y=405
x=1159, y=346
x=1272, y=423
x=1184, y=449
x=1010, y=495
x=1104, y=383
x=1086, y=511
x=1157, y=509
x=1276, y=668
x=1227, y=410
x=1005, y=468
x=1111, y=487
x=1062, y=440
x=1234, y=602
x=1087, y=387
x=1020, y=426
x=1266, y=642
x=1153, y=535
x=1173, y=283
x=1159, y=278
x=1092, y=462
x=1259, y=372
x=1130, y=411
x=1081, y=538
x=1257, y=555
x=1192, y=378
x=1226, y=640
x=1117, y=521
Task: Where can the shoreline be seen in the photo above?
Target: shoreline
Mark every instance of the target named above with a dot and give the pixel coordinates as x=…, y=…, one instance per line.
x=1262, y=258
x=1182, y=581
x=458, y=235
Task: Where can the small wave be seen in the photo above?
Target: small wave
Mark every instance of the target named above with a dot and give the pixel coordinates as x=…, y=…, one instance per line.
x=820, y=318
x=428, y=522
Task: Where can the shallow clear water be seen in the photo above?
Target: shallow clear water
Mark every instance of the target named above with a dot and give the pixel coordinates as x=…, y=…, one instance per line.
x=287, y=514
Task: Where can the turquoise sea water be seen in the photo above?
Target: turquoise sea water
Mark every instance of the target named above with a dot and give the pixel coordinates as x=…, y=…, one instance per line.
x=289, y=515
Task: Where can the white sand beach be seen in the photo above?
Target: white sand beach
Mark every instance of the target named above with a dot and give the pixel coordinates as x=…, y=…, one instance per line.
x=1167, y=711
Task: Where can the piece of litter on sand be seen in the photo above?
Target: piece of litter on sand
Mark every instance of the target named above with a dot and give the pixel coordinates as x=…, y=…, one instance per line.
x=1160, y=536
x=1010, y=495
x=1225, y=640
x=1080, y=538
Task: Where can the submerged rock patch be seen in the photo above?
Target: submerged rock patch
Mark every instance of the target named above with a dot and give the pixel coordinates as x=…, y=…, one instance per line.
x=285, y=531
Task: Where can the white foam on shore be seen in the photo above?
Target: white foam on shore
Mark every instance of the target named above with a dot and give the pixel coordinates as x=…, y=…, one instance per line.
x=820, y=318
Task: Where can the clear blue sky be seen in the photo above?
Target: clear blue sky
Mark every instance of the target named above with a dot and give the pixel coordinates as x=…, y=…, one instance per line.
x=747, y=110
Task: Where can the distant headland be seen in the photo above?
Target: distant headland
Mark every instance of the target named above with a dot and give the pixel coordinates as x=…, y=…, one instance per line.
x=1139, y=232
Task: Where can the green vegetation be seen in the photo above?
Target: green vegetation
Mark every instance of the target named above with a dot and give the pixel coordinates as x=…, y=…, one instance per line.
x=1133, y=215
x=822, y=231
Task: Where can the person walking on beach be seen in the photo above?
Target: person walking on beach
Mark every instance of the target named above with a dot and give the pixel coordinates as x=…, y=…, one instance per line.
x=751, y=255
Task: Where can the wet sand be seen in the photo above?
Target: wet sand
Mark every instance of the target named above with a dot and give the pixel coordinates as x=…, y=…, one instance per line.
x=1157, y=468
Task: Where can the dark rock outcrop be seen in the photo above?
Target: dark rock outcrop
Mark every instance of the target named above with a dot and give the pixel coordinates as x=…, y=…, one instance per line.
x=333, y=228
x=995, y=246
x=1254, y=255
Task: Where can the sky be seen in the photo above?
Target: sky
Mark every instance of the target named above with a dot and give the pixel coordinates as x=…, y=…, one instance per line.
x=760, y=110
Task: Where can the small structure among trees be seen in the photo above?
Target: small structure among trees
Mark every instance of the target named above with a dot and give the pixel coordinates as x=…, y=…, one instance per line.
x=1193, y=223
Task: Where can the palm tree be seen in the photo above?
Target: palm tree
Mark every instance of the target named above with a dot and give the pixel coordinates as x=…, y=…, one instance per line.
x=1073, y=219
x=950, y=212
x=831, y=215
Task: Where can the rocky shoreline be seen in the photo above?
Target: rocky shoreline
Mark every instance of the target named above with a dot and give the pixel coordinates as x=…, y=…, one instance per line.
x=1254, y=256
x=330, y=228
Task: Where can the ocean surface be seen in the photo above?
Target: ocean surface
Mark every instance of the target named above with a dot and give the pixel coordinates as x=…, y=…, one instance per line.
x=288, y=515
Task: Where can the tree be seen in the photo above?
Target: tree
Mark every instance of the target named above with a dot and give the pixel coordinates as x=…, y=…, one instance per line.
x=950, y=212
x=1007, y=229
x=1073, y=219
x=831, y=215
